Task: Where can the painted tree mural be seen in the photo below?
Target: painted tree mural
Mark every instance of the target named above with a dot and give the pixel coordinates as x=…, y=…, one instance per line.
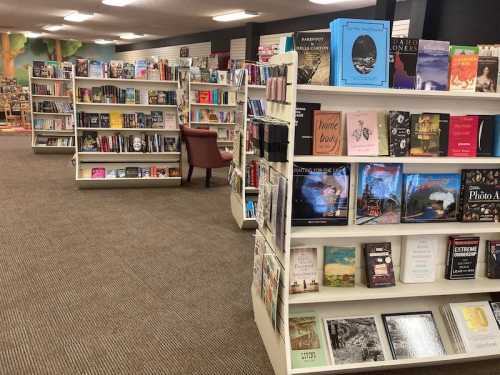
x=56, y=50
x=12, y=46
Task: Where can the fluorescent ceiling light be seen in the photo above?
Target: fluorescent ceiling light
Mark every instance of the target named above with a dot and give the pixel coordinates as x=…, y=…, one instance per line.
x=103, y=41
x=53, y=27
x=78, y=16
x=117, y=3
x=129, y=36
x=235, y=16
x=325, y=2
x=30, y=34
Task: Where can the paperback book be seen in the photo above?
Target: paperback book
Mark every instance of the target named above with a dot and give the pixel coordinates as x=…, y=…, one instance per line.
x=306, y=340
x=432, y=65
x=463, y=68
x=403, y=63
x=419, y=259
x=399, y=133
x=304, y=113
x=487, y=74
x=425, y=130
x=258, y=257
x=313, y=49
x=480, y=195
x=493, y=259
x=327, y=132
x=362, y=133
x=444, y=125
x=383, y=133
x=495, y=308
x=304, y=276
x=485, y=135
x=379, y=266
x=461, y=258
x=462, y=140
x=339, y=266
x=270, y=285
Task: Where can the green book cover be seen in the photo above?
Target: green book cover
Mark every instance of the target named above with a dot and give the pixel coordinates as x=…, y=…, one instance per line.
x=339, y=266
x=463, y=50
x=306, y=340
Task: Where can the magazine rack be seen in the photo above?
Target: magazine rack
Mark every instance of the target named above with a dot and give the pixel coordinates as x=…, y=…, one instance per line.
x=360, y=300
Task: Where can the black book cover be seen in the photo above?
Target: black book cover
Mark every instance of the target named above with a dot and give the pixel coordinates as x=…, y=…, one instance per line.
x=94, y=120
x=82, y=67
x=493, y=259
x=313, y=49
x=304, y=127
x=480, y=195
x=131, y=172
x=378, y=265
x=444, y=125
x=462, y=258
x=485, y=135
x=399, y=133
x=403, y=63
x=104, y=120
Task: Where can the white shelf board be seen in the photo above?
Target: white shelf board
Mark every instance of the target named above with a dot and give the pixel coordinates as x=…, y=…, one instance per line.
x=129, y=153
x=126, y=105
x=384, y=230
x=198, y=83
x=53, y=114
x=51, y=96
x=402, y=160
x=94, y=183
x=128, y=129
x=257, y=87
x=211, y=123
x=50, y=79
x=213, y=105
x=251, y=189
x=155, y=81
x=38, y=149
x=70, y=132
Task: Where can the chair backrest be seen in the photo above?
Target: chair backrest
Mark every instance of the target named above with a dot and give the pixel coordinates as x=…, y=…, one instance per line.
x=202, y=148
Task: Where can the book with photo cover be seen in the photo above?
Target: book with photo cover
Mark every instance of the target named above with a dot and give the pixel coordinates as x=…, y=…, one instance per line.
x=270, y=285
x=495, y=308
x=461, y=258
x=88, y=141
x=339, y=266
x=487, y=74
x=327, y=133
x=304, y=275
x=320, y=194
x=362, y=133
x=432, y=65
x=304, y=127
x=116, y=69
x=306, y=340
x=378, y=199
x=82, y=67
x=493, y=259
x=354, y=340
x=399, y=133
x=480, y=195
x=430, y=197
x=403, y=63
x=413, y=335
x=462, y=139
x=463, y=68
x=425, y=130
x=379, y=266
x=313, y=50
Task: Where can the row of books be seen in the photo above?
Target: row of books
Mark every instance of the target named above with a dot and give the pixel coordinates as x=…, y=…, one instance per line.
x=57, y=88
x=129, y=172
x=90, y=141
x=48, y=106
x=276, y=85
x=157, y=69
x=257, y=74
x=394, y=133
x=215, y=96
x=256, y=107
x=119, y=120
x=54, y=141
x=210, y=115
x=224, y=133
x=52, y=69
x=65, y=123
x=252, y=174
x=206, y=75
x=115, y=95
x=384, y=195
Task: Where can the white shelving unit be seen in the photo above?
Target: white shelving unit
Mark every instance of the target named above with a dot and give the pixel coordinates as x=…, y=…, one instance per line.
x=34, y=98
x=125, y=159
x=361, y=300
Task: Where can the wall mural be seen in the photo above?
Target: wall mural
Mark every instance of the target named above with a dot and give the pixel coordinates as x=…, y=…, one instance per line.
x=18, y=52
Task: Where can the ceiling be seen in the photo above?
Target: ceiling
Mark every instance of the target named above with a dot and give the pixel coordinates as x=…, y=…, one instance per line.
x=155, y=18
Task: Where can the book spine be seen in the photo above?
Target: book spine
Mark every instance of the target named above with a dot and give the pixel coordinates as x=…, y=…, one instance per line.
x=449, y=258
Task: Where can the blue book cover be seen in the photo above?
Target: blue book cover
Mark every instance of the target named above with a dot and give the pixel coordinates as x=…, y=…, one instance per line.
x=360, y=52
x=496, y=140
x=432, y=65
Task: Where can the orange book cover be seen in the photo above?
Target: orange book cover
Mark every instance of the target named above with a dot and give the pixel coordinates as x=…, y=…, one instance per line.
x=463, y=71
x=327, y=133
x=204, y=97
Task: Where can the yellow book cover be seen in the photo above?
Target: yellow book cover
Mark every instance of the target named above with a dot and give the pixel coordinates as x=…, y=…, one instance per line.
x=115, y=120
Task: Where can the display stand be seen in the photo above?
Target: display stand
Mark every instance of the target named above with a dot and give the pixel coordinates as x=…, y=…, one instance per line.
x=66, y=132
x=361, y=300
x=86, y=160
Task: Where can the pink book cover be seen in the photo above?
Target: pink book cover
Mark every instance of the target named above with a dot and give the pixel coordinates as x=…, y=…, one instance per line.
x=98, y=172
x=362, y=133
x=462, y=136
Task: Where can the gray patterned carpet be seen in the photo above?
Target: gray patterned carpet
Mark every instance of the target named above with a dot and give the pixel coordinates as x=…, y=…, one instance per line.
x=115, y=282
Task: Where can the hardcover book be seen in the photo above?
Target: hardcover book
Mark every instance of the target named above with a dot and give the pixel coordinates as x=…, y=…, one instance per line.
x=425, y=130
x=354, y=340
x=270, y=285
x=327, y=133
x=432, y=65
x=313, y=49
x=413, y=335
x=306, y=340
x=485, y=135
x=444, y=125
x=463, y=136
x=493, y=259
x=304, y=275
x=141, y=69
x=480, y=195
x=463, y=68
x=339, y=266
x=258, y=257
x=360, y=52
x=378, y=198
x=95, y=69
x=496, y=139
x=304, y=127
x=418, y=259
x=362, y=133
x=320, y=194
x=82, y=67
x=89, y=141
x=495, y=308
x=461, y=258
x=116, y=69
x=399, y=133
x=98, y=172
x=487, y=74
x=430, y=197
x=378, y=265
x=403, y=63
x=383, y=133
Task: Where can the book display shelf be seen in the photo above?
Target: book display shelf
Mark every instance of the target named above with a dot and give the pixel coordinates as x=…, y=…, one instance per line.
x=52, y=120
x=132, y=143
x=272, y=314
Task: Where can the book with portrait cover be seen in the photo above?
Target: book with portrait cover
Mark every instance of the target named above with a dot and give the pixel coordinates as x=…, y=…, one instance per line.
x=304, y=275
x=379, y=266
x=403, y=63
x=362, y=133
x=360, y=53
x=480, y=195
x=306, y=340
x=339, y=266
x=487, y=74
x=327, y=133
x=313, y=50
x=432, y=65
x=354, y=340
x=425, y=130
x=320, y=194
x=378, y=199
x=462, y=139
x=461, y=258
x=304, y=127
x=463, y=68
x=399, y=133
x=493, y=259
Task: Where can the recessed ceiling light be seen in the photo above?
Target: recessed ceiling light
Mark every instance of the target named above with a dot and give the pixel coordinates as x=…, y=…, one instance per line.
x=117, y=3
x=235, y=16
x=129, y=36
x=325, y=2
x=53, y=27
x=78, y=16
x=103, y=41
x=30, y=34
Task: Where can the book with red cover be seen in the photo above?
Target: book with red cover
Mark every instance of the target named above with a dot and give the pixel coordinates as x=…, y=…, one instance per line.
x=462, y=139
x=204, y=97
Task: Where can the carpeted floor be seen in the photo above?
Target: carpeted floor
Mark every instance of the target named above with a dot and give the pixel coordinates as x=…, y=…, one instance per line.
x=136, y=281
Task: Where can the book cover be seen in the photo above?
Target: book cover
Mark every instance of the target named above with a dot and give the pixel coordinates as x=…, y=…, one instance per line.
x=462, y=140
x=304, y=276
x=413, y=335
x=378, y=199
x=89, y=141
x=304, y=127
x=495, y=308
x=461, y=258
x=258, y=257
x=98, y=173
x=485, y=135
x=327, y=133
x=313, y=50
x=425, y=130
x=463, y=68
x=383, y=133
x=141, y=69
x=432, y=65
x=82, y=67
x=379, y=266
x=418, y=259
x=95, y=69
x=116, y=120
x=362, y=133
x=270, y=285
x=354, y=340
x=496, y=138
x=170, y=120
x=360, y=52
x=320, y=194
x=430, y=197
x=493, y=259
x=306, y=340
x=403, y=63
x=339, y=266
x=399, y=133
x=487, y=74
x=444, y=125
x=480, y=195
x=116, y=69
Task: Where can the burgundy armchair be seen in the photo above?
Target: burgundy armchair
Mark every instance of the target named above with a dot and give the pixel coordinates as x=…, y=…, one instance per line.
x=203, y=152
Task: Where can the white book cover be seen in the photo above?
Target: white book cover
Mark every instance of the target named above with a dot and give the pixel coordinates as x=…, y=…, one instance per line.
x=258, y=256
x=170, y=120
x=477, y=326
x=304, y=275
x=418, y=262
